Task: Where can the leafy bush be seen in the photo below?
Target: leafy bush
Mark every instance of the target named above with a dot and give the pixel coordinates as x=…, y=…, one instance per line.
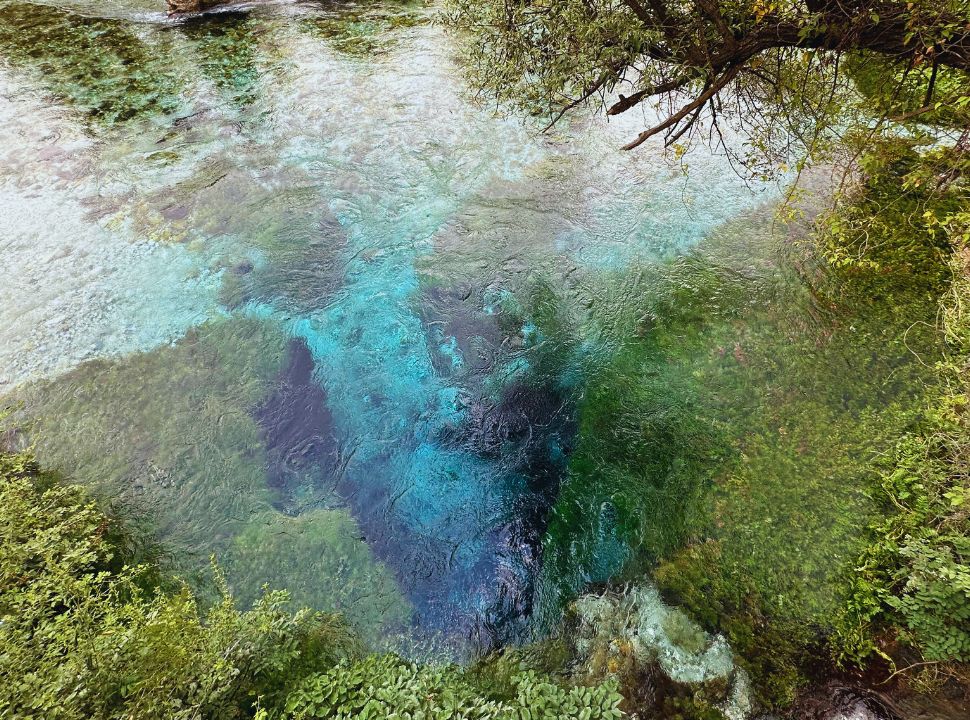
x=915, y=572
x=388, y=687
x=79, y=639
x=83, y=635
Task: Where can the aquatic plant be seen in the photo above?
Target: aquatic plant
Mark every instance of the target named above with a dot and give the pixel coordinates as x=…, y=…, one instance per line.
x=227, y=54
x=366, y=30
x=172, y=435
x=714, y=439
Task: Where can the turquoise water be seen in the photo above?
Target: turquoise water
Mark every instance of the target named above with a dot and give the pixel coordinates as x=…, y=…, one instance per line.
x=279, y=257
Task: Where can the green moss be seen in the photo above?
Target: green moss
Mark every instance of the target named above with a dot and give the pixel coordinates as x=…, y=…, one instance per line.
x=770, y=646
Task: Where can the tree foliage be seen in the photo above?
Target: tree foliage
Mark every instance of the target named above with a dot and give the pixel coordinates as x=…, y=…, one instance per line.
x=775, y=69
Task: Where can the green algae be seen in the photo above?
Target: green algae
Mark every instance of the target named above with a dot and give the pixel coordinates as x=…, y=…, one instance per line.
x=99, y=66
x=170, y=434
x=367, y=30
x=168, y=430
x=226, y=49
x=302, y=262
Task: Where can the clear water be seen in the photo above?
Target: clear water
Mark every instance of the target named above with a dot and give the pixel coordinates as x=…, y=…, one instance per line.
x=270, y=278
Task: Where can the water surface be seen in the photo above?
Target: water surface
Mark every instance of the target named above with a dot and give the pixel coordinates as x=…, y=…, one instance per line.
x=273, y=281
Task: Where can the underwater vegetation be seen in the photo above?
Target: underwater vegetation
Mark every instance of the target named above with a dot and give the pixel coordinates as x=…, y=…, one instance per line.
x=729, y=434
x=226, y=54
x=175, y=435
x=98, y=65
x=364, y=29
x=803, y=554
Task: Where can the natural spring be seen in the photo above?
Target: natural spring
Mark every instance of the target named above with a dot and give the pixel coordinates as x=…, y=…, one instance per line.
x=273, y=281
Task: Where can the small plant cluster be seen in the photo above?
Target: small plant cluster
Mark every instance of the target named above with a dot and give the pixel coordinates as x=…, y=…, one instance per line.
x=388, y=687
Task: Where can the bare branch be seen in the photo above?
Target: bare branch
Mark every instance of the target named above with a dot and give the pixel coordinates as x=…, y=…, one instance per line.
x=710, y=92
x=625, y=103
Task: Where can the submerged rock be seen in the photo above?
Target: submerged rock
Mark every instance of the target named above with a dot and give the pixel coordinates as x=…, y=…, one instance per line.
x=178, y=7
x=635, y=636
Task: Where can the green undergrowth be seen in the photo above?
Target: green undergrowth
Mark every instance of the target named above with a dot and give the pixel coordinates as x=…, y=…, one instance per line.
x=84, y=633
x=910, y=598
x=386, y=687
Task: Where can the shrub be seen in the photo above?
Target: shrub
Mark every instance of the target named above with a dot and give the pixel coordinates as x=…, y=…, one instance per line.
x=83, y=635
x=388, y=687
x=79, y=639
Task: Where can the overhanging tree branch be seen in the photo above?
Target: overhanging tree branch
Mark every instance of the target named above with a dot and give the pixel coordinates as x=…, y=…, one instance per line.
x=714, y=88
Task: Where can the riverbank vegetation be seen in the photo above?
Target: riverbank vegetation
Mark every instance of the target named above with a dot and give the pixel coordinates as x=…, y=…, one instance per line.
x=92, y=628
